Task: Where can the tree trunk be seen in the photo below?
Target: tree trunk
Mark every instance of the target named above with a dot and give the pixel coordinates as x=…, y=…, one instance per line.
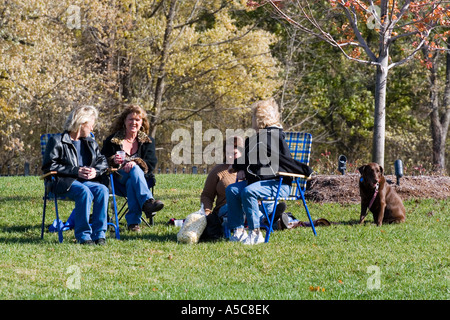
x=160, y=82
x=379, y=129
x=439, y=121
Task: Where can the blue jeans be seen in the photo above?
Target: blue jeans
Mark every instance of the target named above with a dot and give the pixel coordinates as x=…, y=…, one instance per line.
x=86, y=193
x=133, y=185
x=242, y=201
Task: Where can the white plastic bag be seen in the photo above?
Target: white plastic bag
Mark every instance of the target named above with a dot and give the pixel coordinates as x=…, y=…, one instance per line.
x=193, y=227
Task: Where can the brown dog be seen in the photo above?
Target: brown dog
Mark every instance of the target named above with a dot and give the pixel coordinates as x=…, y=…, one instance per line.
x=387, y=206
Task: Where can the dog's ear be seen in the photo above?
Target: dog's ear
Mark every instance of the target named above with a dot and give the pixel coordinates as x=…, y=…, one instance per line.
x=381, y=169
x=361, y=169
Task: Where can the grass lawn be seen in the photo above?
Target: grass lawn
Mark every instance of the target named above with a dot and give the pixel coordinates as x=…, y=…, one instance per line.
x=343, y=262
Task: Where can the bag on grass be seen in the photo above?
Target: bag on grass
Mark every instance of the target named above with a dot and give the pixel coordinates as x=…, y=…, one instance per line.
x=214, y=229
x=193, y=227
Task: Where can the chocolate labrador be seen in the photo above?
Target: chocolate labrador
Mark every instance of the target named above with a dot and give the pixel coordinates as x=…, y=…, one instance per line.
x=378, y=197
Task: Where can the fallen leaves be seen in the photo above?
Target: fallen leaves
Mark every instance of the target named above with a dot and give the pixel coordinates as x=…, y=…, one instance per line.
x=312, y=288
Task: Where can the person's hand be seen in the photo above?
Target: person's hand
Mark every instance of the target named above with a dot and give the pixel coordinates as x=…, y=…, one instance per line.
x=117, y=159
x=128, y=166
x=87, y=173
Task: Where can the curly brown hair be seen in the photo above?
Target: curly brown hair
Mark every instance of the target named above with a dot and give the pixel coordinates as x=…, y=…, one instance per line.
x=119, y=123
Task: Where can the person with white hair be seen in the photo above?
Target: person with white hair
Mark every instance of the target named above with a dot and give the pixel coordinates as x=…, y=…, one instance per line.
x=80, y=166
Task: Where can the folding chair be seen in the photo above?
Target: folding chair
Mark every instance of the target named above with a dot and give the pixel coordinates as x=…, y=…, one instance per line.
x=124, y=208
x=48, y=195
x=299, y=144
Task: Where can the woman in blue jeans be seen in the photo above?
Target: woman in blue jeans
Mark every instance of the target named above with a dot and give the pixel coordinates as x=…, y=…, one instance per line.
x=129, y=134
x=76, y=158
x=266, y=153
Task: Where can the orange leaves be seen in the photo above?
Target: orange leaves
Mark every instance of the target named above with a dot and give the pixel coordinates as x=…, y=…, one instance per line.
x=318, y=289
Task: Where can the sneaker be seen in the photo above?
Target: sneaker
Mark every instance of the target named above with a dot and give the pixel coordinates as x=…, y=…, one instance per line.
x=254, y=237
x=239, y=235
x=151, y=206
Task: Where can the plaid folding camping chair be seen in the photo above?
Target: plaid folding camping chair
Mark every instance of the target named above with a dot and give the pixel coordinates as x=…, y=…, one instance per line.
x=299, y=144
x=48, y=195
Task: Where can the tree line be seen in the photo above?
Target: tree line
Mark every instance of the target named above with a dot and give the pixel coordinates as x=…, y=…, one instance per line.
x=208, y=60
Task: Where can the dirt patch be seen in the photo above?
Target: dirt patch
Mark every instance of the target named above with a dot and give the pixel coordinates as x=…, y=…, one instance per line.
x=345, y=189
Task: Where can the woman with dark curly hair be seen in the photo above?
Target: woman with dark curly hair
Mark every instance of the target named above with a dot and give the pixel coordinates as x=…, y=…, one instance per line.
x=130, y=149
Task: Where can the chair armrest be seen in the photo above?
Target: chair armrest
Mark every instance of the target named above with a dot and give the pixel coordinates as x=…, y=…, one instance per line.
x=294, y=175
x=48, y=174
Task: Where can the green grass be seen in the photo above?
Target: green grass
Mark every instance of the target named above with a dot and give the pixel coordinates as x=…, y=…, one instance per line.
x=412, y=258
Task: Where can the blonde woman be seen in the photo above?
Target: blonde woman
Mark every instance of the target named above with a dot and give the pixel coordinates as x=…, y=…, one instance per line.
x=75, y=156
x=265, y=154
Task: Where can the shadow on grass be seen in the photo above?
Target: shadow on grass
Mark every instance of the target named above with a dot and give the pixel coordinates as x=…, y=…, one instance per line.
x=31, y=234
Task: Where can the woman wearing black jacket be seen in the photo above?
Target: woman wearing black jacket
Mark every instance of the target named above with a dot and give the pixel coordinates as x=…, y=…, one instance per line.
x=266, y=153
x=76, y=158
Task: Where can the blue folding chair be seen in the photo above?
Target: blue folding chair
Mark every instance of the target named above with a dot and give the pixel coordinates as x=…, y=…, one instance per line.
x=299, y=144
x=49, y=178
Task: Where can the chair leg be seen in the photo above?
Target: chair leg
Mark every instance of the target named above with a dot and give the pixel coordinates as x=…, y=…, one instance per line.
x=116, y=218
x=272, y=216
x=148, y=223
x=307, y=212
x=60, y=235
x=123, y=210
x=43, y=215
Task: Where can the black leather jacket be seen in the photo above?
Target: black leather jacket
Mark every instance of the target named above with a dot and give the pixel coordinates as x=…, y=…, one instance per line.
x=257, y=158
x=61, y=156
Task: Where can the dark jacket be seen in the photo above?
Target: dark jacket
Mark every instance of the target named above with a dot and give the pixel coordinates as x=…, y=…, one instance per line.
x=260, y=163
x=145, y=156
x=61, y=156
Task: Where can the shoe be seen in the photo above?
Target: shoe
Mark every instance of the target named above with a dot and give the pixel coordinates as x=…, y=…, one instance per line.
x=151, y=206
x=239, y=235
x=134, y=228
x=281, y=208
x=87, y=243
x=100, y=242
x=285, y=221
x=254, y=237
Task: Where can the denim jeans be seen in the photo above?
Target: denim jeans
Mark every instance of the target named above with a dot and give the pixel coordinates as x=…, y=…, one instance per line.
x=134, y=186
x=242, y=201
x=86, y=193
